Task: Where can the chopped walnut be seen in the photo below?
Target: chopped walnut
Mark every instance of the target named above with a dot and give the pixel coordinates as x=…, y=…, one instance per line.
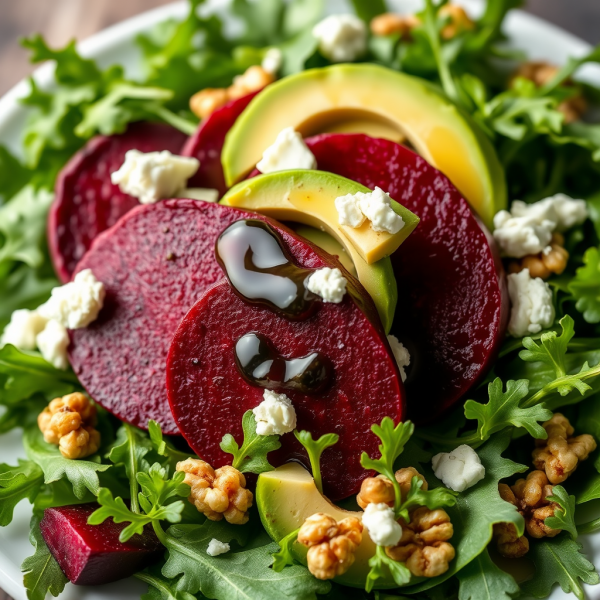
x=424, y=544
x=509, y=544
x=542, y=73
x=217, y=493
x=379, y=490
x=391, y=23
x=331, y=544
x=551, y=261
x=560, y=454
x=459, y=21
x=68, y=423
x=206, y=101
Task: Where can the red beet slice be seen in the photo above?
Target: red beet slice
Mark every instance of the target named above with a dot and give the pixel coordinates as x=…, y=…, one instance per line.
x=87, y=202
x=207, y=143
x=93, y=554
x=453, y=302
x=208, y=395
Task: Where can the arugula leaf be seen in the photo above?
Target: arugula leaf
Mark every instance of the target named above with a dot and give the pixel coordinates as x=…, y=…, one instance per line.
x=17, y=483
x=29, y=374
x=235, y=575
x=284, y=556
x=380, y=564
x=585, y=286
x=504, y=409
x=13, y=175
x=482, y=579
x=164, y=447
x=559, y=560
x=158, y=489
x=41, y=573
x=367, y=10
x=478, y=508
x=315, y=449
x=252, y=456
x=432, y=499
x=393, y=439
x=159, y=587
x=83, y=474
x=564, y=518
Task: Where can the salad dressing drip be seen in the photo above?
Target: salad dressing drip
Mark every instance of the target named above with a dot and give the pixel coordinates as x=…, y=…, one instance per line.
x=260, y=364
x=261, y=271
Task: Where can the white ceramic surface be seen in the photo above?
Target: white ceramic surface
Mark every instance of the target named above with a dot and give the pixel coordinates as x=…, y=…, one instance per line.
x=541, y=41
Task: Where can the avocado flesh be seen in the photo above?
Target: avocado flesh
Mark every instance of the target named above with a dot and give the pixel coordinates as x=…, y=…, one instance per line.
x=326, y=242
x=308, y=197
x=287, y=496
x=380, y=102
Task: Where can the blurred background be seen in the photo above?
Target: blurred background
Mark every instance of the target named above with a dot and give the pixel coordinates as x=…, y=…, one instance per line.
x=61, y=20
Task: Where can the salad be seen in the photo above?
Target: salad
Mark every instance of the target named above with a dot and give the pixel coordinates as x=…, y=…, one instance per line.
x=309, y=311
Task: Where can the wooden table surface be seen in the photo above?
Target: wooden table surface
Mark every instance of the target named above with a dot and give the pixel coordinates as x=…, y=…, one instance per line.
x=61, y=20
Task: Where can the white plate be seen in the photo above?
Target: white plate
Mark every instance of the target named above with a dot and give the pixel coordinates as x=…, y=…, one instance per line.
x=116, y=44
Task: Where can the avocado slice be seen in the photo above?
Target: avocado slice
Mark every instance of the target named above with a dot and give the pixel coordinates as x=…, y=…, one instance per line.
x=371, y=99
x=308, y=197
x=326, y=242
x=286, y=496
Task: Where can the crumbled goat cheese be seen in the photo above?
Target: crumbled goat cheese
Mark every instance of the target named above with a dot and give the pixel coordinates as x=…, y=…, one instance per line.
x=76, y=304
x=349, y=212
x=532, y=307
x=215, y=547
x=381, y=524
x=275, y=415
x=289, y=151
x=527, y=228
x=23, y=328
x=459, y=469
x=153, y=176
x=206, y=194
x=53, y=342
x=341, y=38
x=272, y=61
x=401, y=355
x=328, y=283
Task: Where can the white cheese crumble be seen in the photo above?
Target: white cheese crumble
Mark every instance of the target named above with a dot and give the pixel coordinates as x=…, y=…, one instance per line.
x=77, y=303
x=459, y=469
x=215, y=547
x=375, y=206
x=341, y=38
x=401, y=355
x=23, y=328
x=154, y=176
x=527, y=228
x=275, y=415
x=349, y=212
x=328, y=283
x=272, y=61
x=381, y=524
x=532, y=306
x=289, y=151
x=53, y=342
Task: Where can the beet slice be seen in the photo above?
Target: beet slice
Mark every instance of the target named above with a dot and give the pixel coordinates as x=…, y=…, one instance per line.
x=453, y=301
x=93, y=554
x=209, y=396
x=87, y=202
x=207, y=143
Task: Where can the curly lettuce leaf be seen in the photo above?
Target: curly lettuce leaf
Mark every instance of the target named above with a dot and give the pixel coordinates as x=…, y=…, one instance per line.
x=18, y=483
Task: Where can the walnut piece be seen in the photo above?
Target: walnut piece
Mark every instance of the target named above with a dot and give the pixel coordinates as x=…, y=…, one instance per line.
x=459, y=21
x=217, y=493
x=68, y=423
x=379, y=490
x=560, y=454
x=546, y=263
x=331, y=544
x=541, y=73
x=206, y=101
x=391, y=23
x=424, y=544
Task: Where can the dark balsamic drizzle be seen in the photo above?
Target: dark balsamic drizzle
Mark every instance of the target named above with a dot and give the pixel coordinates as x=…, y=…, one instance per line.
x=261, y=270
x=261, y=365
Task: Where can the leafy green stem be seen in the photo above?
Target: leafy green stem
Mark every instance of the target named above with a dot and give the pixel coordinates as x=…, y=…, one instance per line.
x=133, y=468
x=160, y=533
x=589, y=527
x=185, y=126
x=315, y=449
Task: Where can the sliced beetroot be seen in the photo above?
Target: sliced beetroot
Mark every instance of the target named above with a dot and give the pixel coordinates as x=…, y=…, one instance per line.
x=207, y=143
x=453, y=302
x=209, y=395
x=93, y=554
x=87, y=202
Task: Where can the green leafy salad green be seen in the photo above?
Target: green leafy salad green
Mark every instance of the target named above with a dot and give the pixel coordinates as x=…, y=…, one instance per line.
x=133, y=476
